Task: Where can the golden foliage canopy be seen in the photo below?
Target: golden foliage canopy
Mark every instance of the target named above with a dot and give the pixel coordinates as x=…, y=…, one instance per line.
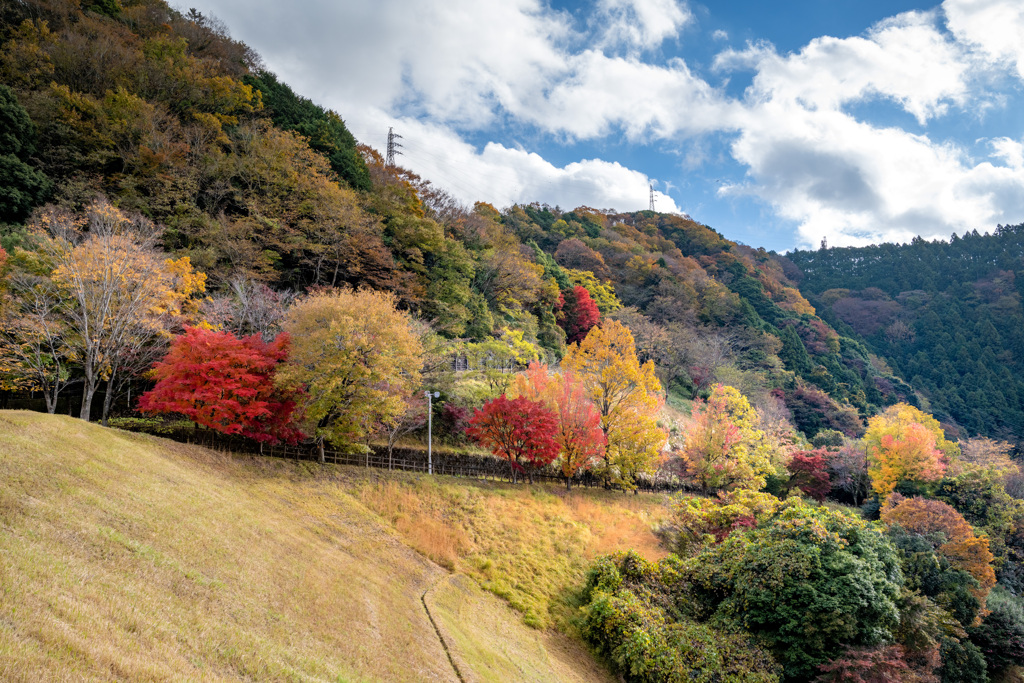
x=627, y=394
x=355, y=357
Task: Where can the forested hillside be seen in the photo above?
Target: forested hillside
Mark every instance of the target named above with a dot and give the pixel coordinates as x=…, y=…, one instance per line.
x=266, y=194
x=189, y=246
x=947, y=316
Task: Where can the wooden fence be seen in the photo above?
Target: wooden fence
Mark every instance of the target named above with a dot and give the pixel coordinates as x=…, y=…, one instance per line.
x=406, y=458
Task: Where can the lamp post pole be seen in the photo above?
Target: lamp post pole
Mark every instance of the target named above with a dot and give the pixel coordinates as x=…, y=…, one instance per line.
x=431, y=395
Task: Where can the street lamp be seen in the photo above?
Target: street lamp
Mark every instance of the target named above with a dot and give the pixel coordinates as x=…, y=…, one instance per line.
x=430, y=419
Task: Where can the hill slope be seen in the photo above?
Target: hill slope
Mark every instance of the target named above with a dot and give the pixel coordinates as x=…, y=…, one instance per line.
x=124, y=556
x=176, y=121
x=947, y=316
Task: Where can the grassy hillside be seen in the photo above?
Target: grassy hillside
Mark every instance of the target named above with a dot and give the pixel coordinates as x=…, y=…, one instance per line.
x=123, y=556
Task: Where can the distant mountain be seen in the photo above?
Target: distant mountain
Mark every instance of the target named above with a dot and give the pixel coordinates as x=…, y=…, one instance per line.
x=945, y=315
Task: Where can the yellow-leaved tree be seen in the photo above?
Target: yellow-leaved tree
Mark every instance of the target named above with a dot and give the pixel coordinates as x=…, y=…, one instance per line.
x=725, y=449
x=355, y=358
x=904, y=444
x=116, y=292
x=628, y=396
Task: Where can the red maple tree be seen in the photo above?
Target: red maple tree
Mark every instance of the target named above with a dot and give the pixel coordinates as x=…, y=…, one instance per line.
x=881, y=664
x=519, y=430
x=808, y=471
x=225, y=383
x=578, y=313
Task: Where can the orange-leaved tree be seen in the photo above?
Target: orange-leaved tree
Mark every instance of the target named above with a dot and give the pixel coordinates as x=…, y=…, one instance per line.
x=627, y=395
x=905, y=444
x=581, y=442
x=961, y=546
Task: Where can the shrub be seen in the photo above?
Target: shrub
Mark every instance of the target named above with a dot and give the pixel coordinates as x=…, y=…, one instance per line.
x=962, y=662
x=808, y=582
x=633, y=616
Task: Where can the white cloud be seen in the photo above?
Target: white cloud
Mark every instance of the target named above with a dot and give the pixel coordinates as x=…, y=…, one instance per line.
x=457, y=60
x=504, y=176
x=859, y=184
x=854, y=181
x=719, y=34
x=1010, y=151
x=645, y=100
x=995, y=26
x=447, y=70
x=641, y=24
x=905, y=59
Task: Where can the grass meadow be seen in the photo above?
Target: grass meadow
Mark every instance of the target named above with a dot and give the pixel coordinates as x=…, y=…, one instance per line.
x=129, y=557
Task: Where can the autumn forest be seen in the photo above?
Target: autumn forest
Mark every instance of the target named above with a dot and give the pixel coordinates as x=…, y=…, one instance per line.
x=187, y=243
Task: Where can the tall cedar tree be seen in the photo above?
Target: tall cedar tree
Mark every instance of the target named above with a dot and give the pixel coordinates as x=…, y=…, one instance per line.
x=225, y=383
x=579, y=313
x=519, y=430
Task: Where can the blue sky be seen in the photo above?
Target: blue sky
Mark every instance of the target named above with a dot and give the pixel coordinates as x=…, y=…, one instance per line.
x=778, y=124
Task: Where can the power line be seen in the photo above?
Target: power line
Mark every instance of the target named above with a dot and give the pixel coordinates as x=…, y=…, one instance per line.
x=471, y=185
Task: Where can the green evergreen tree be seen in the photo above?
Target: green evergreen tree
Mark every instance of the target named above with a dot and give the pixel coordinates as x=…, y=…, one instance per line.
x=22, y=187
x=324, y=129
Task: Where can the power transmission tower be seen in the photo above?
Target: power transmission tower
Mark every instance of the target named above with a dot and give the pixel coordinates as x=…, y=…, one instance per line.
x=393, y=147
x=652, y=196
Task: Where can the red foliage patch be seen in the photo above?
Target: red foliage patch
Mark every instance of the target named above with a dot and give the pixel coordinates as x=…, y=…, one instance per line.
x=225, y=383
x=519, y=430
x=808, y=471
x=578, y=314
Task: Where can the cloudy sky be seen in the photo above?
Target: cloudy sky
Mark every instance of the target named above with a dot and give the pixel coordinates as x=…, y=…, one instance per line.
x=777, y=123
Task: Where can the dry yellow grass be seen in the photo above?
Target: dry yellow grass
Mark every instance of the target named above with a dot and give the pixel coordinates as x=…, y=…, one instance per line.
x=126, y=557
x=477, y=627
x=528, y=544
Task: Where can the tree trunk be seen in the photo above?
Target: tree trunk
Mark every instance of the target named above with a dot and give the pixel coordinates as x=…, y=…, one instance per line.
x=108, y=399
x=323, y=459
x=88, y=390
x=51, y=401
x=568, y=483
